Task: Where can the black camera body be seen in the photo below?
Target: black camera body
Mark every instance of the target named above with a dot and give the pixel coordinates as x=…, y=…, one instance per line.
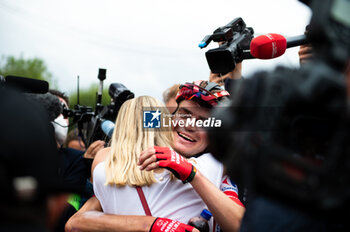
x=89, y=121
x=236, y=37
x=119, y=94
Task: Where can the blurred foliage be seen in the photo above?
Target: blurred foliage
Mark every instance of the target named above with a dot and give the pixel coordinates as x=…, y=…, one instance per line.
x=31, y=68
x=88, y=97
x=36, y=68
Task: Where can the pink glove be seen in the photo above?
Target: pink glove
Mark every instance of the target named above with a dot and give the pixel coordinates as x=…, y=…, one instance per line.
x=164, y=224
x=175, y=163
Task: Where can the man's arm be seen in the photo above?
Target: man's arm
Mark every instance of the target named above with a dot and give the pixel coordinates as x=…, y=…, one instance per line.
x=226, y=212
x=91, y=218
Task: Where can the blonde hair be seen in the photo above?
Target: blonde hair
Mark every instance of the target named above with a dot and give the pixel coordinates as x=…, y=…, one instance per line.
x=130, y=138
x=170, y=93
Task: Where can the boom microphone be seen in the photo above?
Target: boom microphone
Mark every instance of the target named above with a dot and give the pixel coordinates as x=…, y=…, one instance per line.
x=27, y=85
x=49, y=102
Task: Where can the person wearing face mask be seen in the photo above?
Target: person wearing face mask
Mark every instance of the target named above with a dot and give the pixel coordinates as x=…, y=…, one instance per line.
x=60, y=123
x=61, y=129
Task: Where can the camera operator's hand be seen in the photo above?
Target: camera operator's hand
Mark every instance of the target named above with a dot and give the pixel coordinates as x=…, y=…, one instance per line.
x=164, y=157
x=234, y=74
x=93, y=149
x=220, y=79
x=305, y=53
x=165, y=224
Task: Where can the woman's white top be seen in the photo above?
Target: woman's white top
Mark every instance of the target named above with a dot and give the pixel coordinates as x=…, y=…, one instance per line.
x=167, y=198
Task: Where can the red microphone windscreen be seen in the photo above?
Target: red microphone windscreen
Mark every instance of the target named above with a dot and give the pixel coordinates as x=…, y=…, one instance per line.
x=268, y=46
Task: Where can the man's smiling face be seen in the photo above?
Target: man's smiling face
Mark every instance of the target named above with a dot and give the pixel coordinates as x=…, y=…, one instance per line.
x=188, y=140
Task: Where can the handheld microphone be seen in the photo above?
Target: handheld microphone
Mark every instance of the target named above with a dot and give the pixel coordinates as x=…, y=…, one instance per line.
x=107, y=127
x=268, y=46
x=27, y=85
x=271, y=45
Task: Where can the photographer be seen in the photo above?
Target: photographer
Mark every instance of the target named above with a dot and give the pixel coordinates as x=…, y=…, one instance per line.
x=290, y=150
x=190, y=142
x=33, y=195
x=288, y=134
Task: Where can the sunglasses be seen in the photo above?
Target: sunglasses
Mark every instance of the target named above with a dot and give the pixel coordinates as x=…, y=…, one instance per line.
x=191, y=91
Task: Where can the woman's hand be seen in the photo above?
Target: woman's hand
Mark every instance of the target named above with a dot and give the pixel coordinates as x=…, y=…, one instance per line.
x=93, y=149
x=148, y=159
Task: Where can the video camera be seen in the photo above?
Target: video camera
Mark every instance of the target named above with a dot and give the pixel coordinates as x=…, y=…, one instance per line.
x=89, y=121
x=285, y=133
x=236, y=38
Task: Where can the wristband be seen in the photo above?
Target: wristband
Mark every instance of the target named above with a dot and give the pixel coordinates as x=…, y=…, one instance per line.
x=191, y=176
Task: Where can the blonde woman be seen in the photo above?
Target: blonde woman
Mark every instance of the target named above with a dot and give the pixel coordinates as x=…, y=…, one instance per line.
x=116, y=172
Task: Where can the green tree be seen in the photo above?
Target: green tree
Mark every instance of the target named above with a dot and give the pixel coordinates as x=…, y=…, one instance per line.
x=32, y=68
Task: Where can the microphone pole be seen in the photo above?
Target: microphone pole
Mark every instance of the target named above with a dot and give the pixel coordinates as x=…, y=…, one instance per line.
x=296, y=41
x=97, y=120
x=78, y=90
x=101, y=76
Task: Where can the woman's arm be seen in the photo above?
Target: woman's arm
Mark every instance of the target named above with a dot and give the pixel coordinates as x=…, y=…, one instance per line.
x=226, y=212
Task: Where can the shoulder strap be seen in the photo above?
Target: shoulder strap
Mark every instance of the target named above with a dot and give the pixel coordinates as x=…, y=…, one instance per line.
x=212, y=85
x=143, y=201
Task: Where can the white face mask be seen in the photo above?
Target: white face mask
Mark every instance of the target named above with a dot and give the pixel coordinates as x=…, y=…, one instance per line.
x=61, y=129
